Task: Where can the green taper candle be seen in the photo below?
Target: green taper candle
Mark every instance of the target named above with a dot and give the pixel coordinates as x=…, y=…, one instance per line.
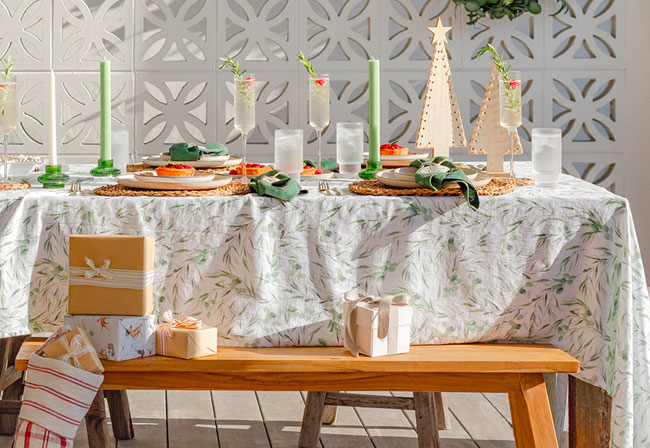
x=374, y=116
x=105, y=114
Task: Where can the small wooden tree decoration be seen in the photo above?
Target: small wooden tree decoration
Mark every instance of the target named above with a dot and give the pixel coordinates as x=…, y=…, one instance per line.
x=441, y=126
x=489, y=137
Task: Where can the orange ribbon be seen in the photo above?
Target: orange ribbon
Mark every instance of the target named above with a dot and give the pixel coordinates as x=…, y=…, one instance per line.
x=187, y=322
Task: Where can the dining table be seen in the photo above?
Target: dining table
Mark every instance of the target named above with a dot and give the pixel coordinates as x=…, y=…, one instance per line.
x=558, y=266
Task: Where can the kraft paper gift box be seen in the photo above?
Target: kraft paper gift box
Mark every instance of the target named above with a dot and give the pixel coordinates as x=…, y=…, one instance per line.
x=377, y=326
x=118, y=338
x=76, y=349
x=186, y=338
x=111, y=275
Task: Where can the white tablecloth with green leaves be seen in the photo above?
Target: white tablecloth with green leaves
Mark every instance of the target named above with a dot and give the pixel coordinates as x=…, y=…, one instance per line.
x=560, y=266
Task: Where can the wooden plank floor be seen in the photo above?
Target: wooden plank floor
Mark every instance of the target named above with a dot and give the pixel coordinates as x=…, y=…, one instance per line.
x=178, y=419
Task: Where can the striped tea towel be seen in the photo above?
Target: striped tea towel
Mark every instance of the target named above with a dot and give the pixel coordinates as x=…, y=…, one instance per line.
x=57, y=395
x=31, y=435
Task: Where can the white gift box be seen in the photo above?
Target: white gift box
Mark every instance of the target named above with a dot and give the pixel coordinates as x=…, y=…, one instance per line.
x=364, y=321
x=118, y=338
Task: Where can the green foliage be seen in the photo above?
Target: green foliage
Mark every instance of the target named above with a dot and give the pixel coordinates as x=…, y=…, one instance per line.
x=8, y=63
x=497, y=9
x=308, y=65
x=234, y=66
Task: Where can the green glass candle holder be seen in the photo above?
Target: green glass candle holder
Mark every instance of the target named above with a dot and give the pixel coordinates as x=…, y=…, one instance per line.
x=105, y=168
x=53, y=177
x=372, y=168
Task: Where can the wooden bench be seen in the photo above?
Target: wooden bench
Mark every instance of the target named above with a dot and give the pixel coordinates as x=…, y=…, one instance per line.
x=515, y=369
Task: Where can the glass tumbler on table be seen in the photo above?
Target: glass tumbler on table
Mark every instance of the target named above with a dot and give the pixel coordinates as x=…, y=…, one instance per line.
x=349, y=147
x=8, y=119
x=244, y=98
x=319, y=109
x=510, y=110
x=547, y=156
x=289, y=152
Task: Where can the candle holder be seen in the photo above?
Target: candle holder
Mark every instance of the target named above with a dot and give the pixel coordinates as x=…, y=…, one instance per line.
x=372, y=168
x=53, y=177
x=105, y=168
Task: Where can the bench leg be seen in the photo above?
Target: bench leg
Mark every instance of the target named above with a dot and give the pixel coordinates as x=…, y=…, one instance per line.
x=329, y=414
x=118, y=406
x=442, y=411
x=426, y=421
x=590, y=413
x=96, y=426
x=531, y=413
x=11, y=381
x=311, y=420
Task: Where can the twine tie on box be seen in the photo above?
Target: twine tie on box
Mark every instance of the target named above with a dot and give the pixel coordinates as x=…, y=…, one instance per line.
x=187, y=322
x=383, y=316
x=106, y=277
x=74, y=350
x=102, y=271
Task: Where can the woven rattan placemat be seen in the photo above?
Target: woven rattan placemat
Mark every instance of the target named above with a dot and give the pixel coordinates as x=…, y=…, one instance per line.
x=17, y=186
x=232, y=189
x=496, y=187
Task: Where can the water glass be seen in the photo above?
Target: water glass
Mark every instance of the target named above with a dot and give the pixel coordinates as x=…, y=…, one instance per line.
x=547, y=156
x=349, y=147
x=289, y=152
x=120, y=148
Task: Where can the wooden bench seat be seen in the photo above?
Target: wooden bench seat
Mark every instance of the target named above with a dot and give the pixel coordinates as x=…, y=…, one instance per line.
x=515, y=369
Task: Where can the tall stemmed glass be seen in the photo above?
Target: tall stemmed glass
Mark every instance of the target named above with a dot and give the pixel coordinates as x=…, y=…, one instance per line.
x=8, y=117
x=319, y=109
x=244, y=111
x=510, y=110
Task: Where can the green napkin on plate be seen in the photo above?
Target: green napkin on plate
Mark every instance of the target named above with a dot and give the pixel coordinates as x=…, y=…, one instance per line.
x=328, y=164
x=431, y=174
x=275, y=184
x=184, y=152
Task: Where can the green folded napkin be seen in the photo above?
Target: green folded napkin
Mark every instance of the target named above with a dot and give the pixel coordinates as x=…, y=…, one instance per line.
x=328, y=164
x=276, y=184
x=184, y=152
x=426, y=175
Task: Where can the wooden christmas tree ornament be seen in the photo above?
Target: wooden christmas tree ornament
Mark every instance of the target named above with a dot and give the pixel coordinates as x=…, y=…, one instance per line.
x=441, y=126
x=489, y=137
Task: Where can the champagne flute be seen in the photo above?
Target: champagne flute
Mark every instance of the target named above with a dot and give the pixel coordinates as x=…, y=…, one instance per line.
x=319, y=109
x=244, y=112
x=8, y=118
x=510, y=110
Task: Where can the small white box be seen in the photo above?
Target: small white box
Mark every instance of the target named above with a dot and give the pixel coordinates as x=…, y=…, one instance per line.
x=365, y=329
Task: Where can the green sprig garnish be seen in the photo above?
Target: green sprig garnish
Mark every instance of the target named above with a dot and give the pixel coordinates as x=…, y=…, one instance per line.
x=8, y=63
x=513, y=101
x=308, y=65
x=234, y=66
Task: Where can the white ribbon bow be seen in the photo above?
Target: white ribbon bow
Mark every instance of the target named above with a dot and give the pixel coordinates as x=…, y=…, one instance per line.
x=187, y=322
x=383, y=316
x=102, y=271
x=74, y=349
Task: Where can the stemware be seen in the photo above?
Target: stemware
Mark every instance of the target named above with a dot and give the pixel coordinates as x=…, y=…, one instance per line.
x=244, y=98
x=319, y=109
x=510, y=109
x=8, y=118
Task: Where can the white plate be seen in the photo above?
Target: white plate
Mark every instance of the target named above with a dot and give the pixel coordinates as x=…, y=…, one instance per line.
x=398, y=160
x=326, y=175
x=128, y=180
x=408, y=173
x=158, y=161
x=218, y=159
x=151, y=176
x=389, y=178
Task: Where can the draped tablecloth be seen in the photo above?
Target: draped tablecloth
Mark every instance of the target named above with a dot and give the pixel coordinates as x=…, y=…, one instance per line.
x=559, y=266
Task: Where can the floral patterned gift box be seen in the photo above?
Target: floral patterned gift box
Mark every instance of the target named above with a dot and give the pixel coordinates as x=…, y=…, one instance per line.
x=118, y=338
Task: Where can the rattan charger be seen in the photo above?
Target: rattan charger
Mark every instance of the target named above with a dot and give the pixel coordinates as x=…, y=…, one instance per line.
x=232, y=189
x=16, y=186
x=496, y=187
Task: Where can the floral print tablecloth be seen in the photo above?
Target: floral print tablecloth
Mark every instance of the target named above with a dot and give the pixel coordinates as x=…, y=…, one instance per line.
x=559, y=266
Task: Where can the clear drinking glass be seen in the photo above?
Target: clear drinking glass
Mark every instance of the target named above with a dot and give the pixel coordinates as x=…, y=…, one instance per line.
x=289, y=152
x=8, y=118
x=547, y=156
x=244, y=97
x=120, y=147
x=349, y=147
x=319, y=109
x=510, y=110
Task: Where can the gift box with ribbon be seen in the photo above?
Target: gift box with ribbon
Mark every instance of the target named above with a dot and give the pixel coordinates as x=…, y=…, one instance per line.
x=118, y=338
x=76, y=349
x=377, y=326
x=111, y=275
x=185, y=338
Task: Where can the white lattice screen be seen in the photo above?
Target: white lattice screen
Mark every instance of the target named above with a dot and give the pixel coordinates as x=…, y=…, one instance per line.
x=166, y=87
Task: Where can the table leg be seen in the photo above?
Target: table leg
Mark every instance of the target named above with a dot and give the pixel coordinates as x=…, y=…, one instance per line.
x=118, y=407
x=531, y=413
x=96, y=426
x=590, y=414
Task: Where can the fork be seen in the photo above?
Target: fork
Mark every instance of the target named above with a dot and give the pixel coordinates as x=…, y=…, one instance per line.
x=323, y=186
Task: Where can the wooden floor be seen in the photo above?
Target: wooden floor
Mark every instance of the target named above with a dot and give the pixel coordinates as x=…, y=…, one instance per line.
x=272, y=419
